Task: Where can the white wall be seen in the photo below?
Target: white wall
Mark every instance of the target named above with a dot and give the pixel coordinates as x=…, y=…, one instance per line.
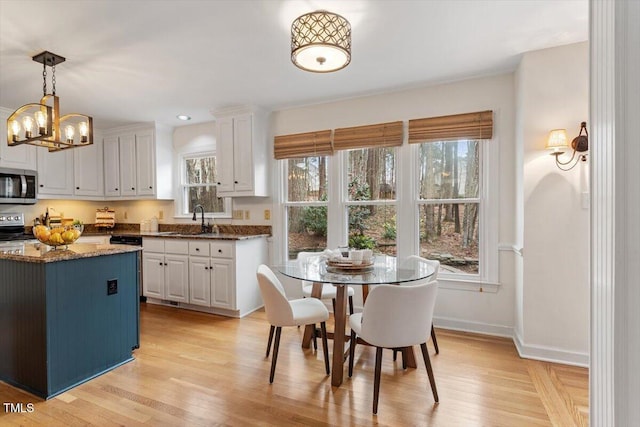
x=490, y=312
x=553, y=293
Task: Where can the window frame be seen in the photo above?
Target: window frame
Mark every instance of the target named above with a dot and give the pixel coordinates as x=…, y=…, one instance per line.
x=407, y=217
x=182, y=203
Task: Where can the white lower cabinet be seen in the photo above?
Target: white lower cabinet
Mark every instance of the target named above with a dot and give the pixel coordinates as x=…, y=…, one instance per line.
x=165, y=270
x=221, y=274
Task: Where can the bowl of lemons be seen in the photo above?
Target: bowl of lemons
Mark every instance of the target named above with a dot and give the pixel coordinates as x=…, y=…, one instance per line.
x=57, y=236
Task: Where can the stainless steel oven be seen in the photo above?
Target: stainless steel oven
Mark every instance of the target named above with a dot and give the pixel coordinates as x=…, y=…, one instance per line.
x=18, y=186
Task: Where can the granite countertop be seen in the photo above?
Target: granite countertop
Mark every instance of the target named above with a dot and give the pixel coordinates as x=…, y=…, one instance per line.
x=41, y=253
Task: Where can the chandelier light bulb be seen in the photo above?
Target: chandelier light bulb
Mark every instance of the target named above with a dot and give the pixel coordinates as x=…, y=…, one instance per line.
x=41, y=119
x=27, y=122
x=15, y=129
x=69, y=132
x=83, y=129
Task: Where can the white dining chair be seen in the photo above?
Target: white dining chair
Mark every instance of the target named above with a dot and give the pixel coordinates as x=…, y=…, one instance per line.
x=395, y=317
x=282, y=312
x=328, y=290
x=436, y=266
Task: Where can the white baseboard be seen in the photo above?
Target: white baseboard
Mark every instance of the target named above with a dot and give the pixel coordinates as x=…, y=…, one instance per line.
x=550, y=354
x=475, y=327
x=545, y=354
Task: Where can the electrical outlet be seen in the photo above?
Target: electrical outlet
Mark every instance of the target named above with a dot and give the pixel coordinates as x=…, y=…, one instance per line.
x=237, y=214
x=112, y=287
x=125, y=215
x=161, y=215
x=267, y=214
x=247, y=214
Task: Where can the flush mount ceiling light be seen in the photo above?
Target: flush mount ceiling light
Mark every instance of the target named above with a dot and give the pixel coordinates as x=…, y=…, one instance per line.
x=183, y=117
x=557, y=142
x=40, y=124
x=321, y=42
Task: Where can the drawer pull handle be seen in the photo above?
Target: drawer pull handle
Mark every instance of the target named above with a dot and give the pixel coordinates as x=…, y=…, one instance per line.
x=160, y=263
x=220, y=250
x=206, y=268
x=197, y=249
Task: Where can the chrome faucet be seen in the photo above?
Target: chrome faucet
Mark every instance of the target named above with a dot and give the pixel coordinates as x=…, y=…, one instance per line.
x=203, y=228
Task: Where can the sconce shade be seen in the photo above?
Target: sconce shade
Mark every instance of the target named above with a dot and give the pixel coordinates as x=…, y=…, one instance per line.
x=557, y=141
x=320, y=42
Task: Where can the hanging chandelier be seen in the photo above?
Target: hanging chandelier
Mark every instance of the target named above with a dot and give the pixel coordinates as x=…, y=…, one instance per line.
x=41, y=124
x=321, y=42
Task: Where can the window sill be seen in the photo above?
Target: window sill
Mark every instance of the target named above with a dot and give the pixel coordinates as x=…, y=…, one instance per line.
x=206, y=216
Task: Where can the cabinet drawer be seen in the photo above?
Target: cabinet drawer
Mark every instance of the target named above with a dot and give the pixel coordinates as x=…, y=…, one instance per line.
x=199, y=247
x=222, y=250
x=176, y=246
x=153, y=245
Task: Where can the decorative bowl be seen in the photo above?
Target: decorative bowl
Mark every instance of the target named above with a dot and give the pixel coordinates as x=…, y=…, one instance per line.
x=58, y=236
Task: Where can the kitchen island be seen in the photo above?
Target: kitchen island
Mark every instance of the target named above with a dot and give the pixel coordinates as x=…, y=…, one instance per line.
x=66, y=316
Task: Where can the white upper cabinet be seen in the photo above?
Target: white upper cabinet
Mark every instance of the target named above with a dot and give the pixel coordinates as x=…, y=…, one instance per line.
x=87, y=170
x=55, y=172
x=241, y=151
x=138, y=162
x=17, y=157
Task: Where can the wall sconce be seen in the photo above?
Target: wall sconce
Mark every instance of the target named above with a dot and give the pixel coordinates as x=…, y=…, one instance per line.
x=557, y=142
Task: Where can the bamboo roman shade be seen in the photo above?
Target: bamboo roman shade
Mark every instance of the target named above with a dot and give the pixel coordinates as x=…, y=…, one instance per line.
x=303, y=145
x=458, y=126
x=379, y=135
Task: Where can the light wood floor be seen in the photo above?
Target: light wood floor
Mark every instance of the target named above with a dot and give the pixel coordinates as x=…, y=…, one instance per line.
x=198, y=369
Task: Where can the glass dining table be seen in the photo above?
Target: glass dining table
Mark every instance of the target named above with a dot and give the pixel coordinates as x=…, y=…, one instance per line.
x=385, y=269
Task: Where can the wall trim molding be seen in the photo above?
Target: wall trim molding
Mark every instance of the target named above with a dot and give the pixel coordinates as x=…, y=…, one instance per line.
x=525, y=351
x=550, y=354
x=511, y=247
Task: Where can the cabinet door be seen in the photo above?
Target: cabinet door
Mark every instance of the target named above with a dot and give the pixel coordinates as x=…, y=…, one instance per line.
x=145, y=164
x=176, y=278
x=55, y=172
x=153, y=275
x=199, y=281
x=111, y=167
x=128, y=165
x=87, y=167
x=222, y=284
x=19, y=156
x=242, y=153
x=225, y=154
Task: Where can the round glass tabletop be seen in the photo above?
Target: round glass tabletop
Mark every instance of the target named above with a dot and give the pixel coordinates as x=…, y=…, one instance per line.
x=385, y=269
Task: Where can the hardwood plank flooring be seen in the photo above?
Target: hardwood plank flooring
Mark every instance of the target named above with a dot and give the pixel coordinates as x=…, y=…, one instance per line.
x=198, y=369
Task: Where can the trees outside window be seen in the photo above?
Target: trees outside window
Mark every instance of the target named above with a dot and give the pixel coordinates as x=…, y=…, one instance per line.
x=449, y=204
x=370, y=199
x=199, y=185
x=306, y=205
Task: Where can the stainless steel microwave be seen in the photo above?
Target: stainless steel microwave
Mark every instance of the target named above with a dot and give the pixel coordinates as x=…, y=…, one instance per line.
x=18, y=186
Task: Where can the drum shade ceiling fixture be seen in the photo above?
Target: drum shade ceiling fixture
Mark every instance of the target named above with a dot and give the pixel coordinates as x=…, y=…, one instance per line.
x=321, y=42
x=41, y=124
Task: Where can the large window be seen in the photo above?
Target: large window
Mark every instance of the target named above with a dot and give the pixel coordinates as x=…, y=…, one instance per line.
x=449, y=204
x=370, y=198
x=306, y=204
x=199, y=172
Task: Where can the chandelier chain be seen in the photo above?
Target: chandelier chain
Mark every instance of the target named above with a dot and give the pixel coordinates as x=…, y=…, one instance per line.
x=53, y=78
x=44, y=79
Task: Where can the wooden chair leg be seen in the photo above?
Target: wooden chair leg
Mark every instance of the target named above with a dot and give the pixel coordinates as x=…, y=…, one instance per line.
x=274, y=358
x=333, y=304
x=352, y=351
x=350, y=305
x=395, y=354
x=273, y=328
x=433, y=338
x=315, y=341
x=325, y=346
x=376, y=379
x=427, y=363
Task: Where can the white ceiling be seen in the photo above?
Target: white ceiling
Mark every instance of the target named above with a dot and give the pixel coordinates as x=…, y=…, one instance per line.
x=144, y=60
